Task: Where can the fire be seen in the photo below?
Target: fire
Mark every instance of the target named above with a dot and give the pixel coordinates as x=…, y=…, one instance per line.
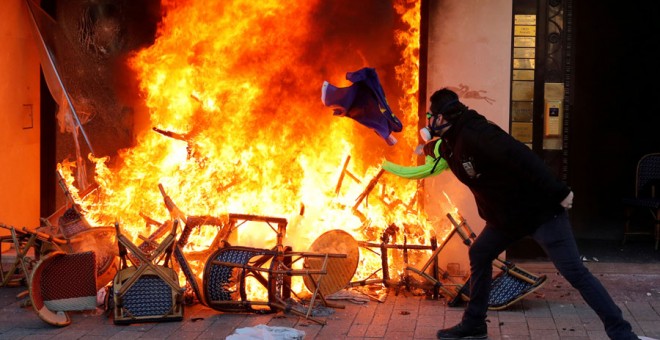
x=236, y=125
x=408, y=72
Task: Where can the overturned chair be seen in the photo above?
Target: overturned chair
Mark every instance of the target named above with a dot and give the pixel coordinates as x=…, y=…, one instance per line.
x=58, y=282
x=62, y=282
x=18, y=271
x=509, y=286
x=147, y=290
x=228, y=269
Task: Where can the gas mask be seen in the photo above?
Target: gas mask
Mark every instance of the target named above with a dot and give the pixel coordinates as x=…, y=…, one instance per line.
x=432, y=117
x=431, y=130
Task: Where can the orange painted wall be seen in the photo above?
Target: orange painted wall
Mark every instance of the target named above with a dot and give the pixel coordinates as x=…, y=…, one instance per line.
x=19, y=133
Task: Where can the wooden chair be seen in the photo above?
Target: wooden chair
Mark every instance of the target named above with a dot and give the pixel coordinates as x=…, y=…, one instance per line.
x=646, y=199
x=19, y=269
x=227, y=270
x=148, y=290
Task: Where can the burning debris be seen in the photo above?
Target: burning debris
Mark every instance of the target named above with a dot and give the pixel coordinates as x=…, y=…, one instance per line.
x=230, y=277
x=233, y=274
x=234, y=134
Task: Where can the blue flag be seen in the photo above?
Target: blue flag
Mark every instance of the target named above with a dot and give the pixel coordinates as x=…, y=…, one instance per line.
x=364, y=101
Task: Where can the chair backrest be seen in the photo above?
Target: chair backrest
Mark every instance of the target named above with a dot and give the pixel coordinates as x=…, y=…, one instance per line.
x=62, y=282
x=648, y=175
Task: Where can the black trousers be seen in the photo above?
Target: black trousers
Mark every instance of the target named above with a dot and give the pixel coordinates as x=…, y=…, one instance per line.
x=557, y=240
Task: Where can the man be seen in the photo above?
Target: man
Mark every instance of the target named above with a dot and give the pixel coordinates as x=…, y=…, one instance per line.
x=517, y=195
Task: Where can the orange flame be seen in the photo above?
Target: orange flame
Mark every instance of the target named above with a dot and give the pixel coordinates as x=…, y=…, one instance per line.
x=234, y=89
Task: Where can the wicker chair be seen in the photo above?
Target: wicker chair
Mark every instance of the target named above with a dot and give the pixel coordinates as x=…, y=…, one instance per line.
x=149, y=290
x=647, y=197
x=62, y=282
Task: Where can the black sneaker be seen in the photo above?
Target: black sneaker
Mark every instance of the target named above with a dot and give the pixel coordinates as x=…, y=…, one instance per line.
x=463, y=331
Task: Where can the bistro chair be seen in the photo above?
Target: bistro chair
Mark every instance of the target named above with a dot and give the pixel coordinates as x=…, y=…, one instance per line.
x=646, y=199
x=149, y=290
x=62, y=282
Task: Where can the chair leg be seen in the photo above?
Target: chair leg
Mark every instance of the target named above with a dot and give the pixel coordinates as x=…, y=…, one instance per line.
x=657, y=228
x=20, y=265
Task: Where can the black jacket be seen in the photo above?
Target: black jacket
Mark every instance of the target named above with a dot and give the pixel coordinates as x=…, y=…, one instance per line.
x=513, y=188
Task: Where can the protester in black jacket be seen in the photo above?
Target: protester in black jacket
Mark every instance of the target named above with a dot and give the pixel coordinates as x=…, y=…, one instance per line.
x=517, y=195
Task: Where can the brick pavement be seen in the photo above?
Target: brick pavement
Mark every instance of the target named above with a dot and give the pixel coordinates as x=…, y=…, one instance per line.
x=555, y=311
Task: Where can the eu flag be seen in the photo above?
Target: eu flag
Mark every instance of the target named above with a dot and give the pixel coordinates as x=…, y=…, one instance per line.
x=363, y=101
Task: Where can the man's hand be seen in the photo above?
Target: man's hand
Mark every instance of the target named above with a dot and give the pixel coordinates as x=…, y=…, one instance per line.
x=429, y=148
x=419, y=150
x=567, y=203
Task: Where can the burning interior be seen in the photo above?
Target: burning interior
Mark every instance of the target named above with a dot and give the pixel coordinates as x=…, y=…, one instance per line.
x=213, y=122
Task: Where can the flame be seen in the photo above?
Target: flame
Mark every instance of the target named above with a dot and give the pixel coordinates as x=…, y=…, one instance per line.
x=236, y=125
x=408, y=72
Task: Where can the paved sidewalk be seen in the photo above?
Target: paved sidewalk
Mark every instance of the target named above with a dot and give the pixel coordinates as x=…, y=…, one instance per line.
x=555, y=311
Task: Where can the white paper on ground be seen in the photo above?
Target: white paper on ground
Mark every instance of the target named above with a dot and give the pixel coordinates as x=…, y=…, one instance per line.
x=263, y=332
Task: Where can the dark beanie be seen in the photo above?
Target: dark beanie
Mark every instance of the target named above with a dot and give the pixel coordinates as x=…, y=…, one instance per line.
x=446, y=103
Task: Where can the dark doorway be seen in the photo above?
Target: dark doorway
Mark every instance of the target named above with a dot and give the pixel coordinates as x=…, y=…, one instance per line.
x=614, y=119
x=616, y=111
